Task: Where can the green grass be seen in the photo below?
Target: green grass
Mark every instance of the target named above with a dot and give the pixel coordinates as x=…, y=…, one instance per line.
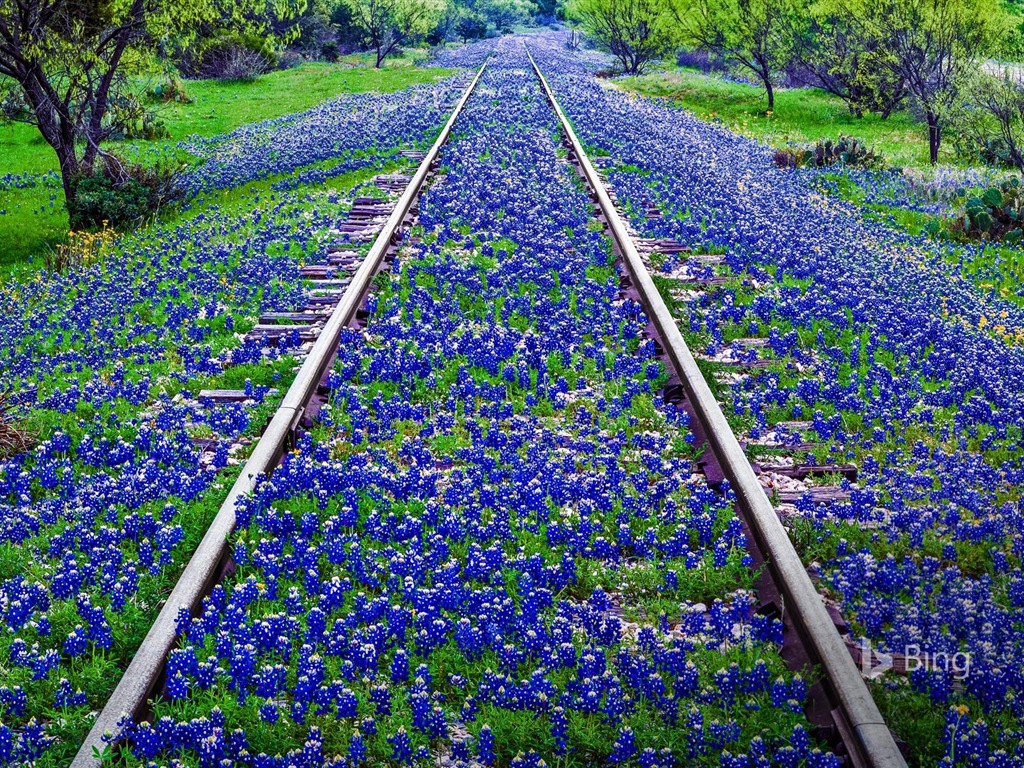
x=35, y=219
x=801, y=115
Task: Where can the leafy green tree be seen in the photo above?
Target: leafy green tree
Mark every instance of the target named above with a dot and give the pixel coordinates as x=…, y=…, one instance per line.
x=635, y=31
x=470, y=26
x=448, y=18
x=838, y=52
x=505, y=14
x=387, y=25
x=755, y=35
x=935, y=46
x=989, y=120
x=68, y=60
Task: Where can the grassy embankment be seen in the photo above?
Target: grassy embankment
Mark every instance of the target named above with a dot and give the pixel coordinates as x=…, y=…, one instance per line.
x=806, y=115
x=34, y=219
x=801, y=115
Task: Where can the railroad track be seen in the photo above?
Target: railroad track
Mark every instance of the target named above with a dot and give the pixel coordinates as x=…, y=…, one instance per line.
x=812, y=634
x=844, y=704
x=142, y=677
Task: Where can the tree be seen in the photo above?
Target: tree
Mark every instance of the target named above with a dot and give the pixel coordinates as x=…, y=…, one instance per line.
x=470, y=27
x=935, y=47
x=389, y=24
x=505, y=14
x=67, y=59
x=447, y=19
x=835, y=50
x=635, y=31
x=990, y=117
x=756, y=35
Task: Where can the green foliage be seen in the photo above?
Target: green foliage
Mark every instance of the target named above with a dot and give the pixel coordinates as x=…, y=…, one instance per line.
x=129, y=118
x=471, y=27
x=170, y=90
x=505, y=14
x=997, y=213
x=387, y=25
x=121, y=195
x=989, y=119
x=230, y=55
x=837, y=52
x=635, y=31
x=846, y=150
x=754, y=35
x=934, y=47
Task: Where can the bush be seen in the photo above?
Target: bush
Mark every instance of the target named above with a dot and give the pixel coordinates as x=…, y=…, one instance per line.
x=170, y=90
x=471, y=27
x=700, y=59
x=290, y=60
x=997, y=152
x=792, y=157
x=122, y=196
x=846, y=150
x=228, y=56
x=995, y=214
x=13, y=106
x=330, y=51
x=128, y=118
x=235, y=64
x=14, y=438
x=988, y=124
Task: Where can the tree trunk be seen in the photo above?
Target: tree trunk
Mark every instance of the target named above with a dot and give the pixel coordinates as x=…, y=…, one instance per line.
x=58, y=132
x=934, y=137
x=771, y=93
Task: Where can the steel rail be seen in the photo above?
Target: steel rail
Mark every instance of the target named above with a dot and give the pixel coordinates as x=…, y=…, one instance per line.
x=138, y=682
x=873, y=742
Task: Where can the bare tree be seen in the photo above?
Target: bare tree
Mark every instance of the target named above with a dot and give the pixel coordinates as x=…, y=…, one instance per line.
x=636, y=31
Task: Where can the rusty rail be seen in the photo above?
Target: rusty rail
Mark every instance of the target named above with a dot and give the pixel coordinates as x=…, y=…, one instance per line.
x=858, y=720
x=139, y=680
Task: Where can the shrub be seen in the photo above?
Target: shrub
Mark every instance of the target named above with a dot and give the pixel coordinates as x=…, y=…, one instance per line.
x=128, y=118
x=998, y=152
x=792, y=157
x=13, y=106
x=988, y=124
x=995, y=214
x=14, y=438
x=330, y=51
x=228, y=56
x=235, y=64
x=122, y=196
x=471, y=27
x=701, y=59
x=290, y=60
x=170, y=90
x=846, y=150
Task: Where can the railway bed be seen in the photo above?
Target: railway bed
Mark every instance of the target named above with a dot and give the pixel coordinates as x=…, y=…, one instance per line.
x=841, y=706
